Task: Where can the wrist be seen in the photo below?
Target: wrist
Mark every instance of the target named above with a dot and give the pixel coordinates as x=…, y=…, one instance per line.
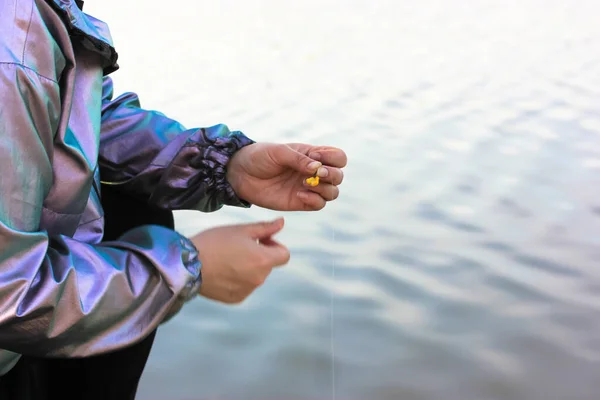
x=234, y=170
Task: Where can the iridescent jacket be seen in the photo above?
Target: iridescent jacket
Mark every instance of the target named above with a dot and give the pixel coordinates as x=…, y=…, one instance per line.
x=64, y=292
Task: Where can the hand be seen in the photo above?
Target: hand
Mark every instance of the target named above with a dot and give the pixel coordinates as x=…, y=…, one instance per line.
x=236, y=259
x=273, y=175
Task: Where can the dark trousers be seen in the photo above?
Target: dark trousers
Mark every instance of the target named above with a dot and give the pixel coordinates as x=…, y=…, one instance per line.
x=112, y=376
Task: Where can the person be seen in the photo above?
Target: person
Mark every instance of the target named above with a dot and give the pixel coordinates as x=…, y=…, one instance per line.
x=70, y=293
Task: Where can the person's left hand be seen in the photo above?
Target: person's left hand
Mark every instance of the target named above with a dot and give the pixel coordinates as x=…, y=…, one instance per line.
x=273, y=176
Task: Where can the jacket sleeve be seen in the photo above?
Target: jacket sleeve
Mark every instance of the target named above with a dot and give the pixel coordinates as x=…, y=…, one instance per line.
x=60, y=296
x=158, y=160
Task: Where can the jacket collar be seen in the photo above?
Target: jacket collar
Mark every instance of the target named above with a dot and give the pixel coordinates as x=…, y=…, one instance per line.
x=92, y=33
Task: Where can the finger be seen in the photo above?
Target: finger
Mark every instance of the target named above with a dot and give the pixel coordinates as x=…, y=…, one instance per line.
x=274, y=253
x=259, y=230
x=311, y=201
x=269, y=241
x=332, y=175
x=327, y=191
x=331, y=156
x=288, y=157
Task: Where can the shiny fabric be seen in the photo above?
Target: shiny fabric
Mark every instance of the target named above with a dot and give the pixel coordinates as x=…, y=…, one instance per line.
x=64, y=292
x=112, y=376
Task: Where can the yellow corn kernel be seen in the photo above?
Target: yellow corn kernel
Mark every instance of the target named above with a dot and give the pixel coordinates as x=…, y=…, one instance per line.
x=312, y=181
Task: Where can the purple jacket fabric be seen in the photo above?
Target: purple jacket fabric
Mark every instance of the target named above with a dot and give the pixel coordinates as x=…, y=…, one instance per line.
x=63, y=291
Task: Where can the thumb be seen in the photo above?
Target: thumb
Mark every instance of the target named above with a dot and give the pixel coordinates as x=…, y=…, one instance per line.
x=290, y=158
x=261, y=230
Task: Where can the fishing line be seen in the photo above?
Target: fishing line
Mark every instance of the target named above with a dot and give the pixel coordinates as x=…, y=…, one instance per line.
x=332, y=313
x=314, y=181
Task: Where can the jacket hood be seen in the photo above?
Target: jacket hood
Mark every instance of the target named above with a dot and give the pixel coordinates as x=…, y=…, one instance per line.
x=92, y=33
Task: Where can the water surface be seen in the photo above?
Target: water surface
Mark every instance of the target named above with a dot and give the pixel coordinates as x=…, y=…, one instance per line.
x=461, y=260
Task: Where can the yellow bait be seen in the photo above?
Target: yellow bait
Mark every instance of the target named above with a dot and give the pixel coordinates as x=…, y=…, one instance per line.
x=312, y=181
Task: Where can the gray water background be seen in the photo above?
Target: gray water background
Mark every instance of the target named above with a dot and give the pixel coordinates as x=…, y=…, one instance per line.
x=461, y=260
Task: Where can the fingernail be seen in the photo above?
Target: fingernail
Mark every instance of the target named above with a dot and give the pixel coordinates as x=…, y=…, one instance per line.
x=322, y=172
x=315, y=156
x=303, y=195
x=314, y=165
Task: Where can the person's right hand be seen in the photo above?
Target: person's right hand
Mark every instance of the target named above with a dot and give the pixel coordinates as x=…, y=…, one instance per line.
x=236, y=259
